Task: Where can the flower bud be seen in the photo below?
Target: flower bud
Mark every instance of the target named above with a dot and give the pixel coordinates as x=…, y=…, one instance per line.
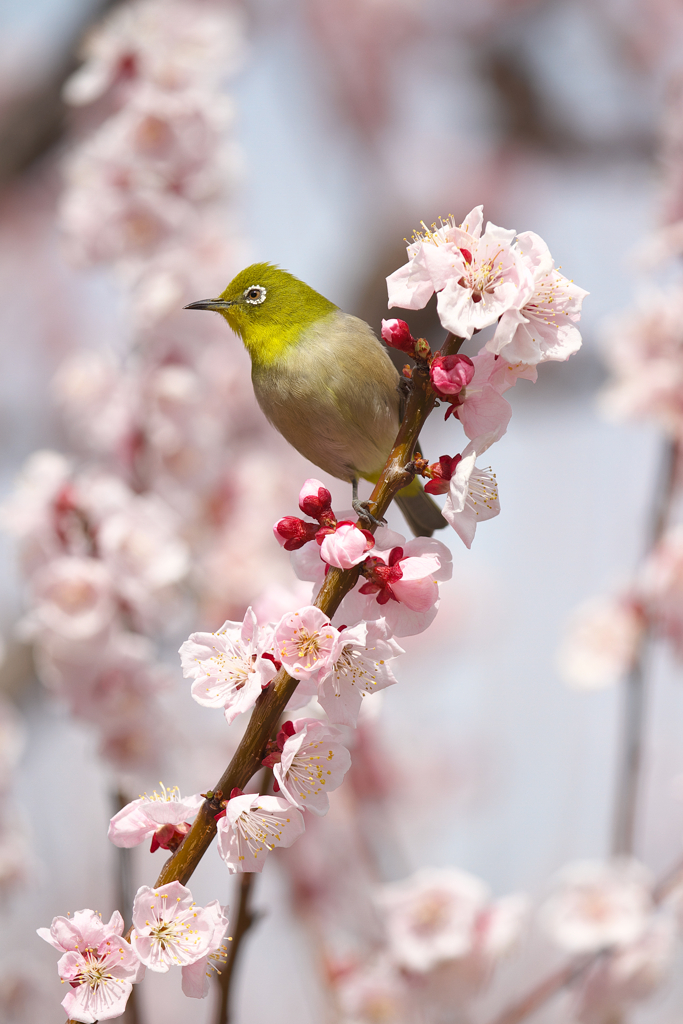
x=422, y=349
x=292, y=533
x=441, y=473
x=450, y=374
x=315, y=500
x=396, y=334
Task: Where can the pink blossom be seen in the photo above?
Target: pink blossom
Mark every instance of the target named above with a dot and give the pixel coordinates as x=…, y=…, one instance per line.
x=228, y=667
x=450, y=374
x=83, y=929
x=169, y=43
x=98, y=964
x=396, y=334
x=346, y=546
x=431, y=916
x=480, y=406
x=169, y=929
x=162, y=815
x=373, y=991
x=143, y=551
x=473, y=493
x=477, y=276
x=306, y=643
x=597, y=904
x=405, y=575
x=601, y=642
x=542, y=327
x=254, y=825
x=644, y=351
x=73, y=599
x=310, y=764
x=362, y=666
x=195, y=977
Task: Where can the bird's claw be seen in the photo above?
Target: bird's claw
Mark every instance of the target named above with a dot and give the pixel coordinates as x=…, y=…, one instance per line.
x=363, y=512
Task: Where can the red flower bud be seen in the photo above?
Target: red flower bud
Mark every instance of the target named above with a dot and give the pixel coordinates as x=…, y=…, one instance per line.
x=441, y=473
x=292, y=533
x=396, y=334
x=450, y=374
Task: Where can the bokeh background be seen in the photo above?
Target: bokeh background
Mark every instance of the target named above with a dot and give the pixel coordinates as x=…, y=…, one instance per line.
x=353, y=122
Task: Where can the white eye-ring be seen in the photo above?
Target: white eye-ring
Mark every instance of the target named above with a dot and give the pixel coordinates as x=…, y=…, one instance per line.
x=255, y=294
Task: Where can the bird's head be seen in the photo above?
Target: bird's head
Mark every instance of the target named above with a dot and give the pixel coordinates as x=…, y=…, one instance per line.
x=268, y=308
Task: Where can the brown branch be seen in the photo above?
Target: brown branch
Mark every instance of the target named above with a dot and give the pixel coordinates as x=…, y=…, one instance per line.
x=633, y=714
x=545, y=990
x=338, y=582
x=245, y=919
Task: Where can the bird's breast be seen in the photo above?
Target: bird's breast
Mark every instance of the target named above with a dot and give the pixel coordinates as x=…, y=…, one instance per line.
x=334, y=396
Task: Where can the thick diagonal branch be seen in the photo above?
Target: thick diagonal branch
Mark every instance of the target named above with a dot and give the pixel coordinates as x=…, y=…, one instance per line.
x=338, y=582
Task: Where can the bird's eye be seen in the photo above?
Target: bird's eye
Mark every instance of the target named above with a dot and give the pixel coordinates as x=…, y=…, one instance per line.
x=255, y=295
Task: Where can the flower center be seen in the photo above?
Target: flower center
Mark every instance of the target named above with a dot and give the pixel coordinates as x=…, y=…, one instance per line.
x=483, y=489
x=307, y=643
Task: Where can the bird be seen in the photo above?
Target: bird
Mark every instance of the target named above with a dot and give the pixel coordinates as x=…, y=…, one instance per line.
x=323, y=380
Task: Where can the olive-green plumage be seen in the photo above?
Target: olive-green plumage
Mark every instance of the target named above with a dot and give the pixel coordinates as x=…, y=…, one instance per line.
x=322, y=379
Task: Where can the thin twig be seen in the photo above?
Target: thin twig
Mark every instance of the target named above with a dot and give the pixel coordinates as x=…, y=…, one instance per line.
x=633, y=721
x=571, y=972
x=545, y=990
x=124, y=899
x=245, y=919
x=338, y=582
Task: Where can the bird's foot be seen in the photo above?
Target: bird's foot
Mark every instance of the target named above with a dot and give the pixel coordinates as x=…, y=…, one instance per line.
x=363, y=512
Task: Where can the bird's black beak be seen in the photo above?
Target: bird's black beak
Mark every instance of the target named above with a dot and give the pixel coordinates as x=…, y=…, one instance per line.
x=217, y=304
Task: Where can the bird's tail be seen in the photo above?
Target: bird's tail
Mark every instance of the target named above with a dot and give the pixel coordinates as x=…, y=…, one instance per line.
x=421, y=512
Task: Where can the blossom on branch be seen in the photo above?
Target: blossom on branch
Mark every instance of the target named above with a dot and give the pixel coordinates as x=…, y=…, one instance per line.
x=254, y=825
x=477, y=276
x=228, y=668
x=306, y=643
x=169, y=929
x=543, y=327
x=311, y=762
x=473, y=493
x=362, y=667
x=99, y=965
x=346, y=546
x=163, y=816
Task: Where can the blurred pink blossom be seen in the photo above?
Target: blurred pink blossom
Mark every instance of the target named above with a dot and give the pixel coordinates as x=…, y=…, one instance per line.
x=431, y=916
x=601, y=642
x=598, y=904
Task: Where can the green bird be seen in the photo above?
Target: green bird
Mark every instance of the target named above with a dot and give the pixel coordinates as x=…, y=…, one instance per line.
x=322, y=379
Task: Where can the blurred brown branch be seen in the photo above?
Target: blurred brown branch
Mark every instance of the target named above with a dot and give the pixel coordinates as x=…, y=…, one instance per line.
x=33, y=120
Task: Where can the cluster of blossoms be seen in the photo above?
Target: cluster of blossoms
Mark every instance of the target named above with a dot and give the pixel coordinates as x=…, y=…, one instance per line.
x=103, y=566
x=481, y=278
x=169, y=930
